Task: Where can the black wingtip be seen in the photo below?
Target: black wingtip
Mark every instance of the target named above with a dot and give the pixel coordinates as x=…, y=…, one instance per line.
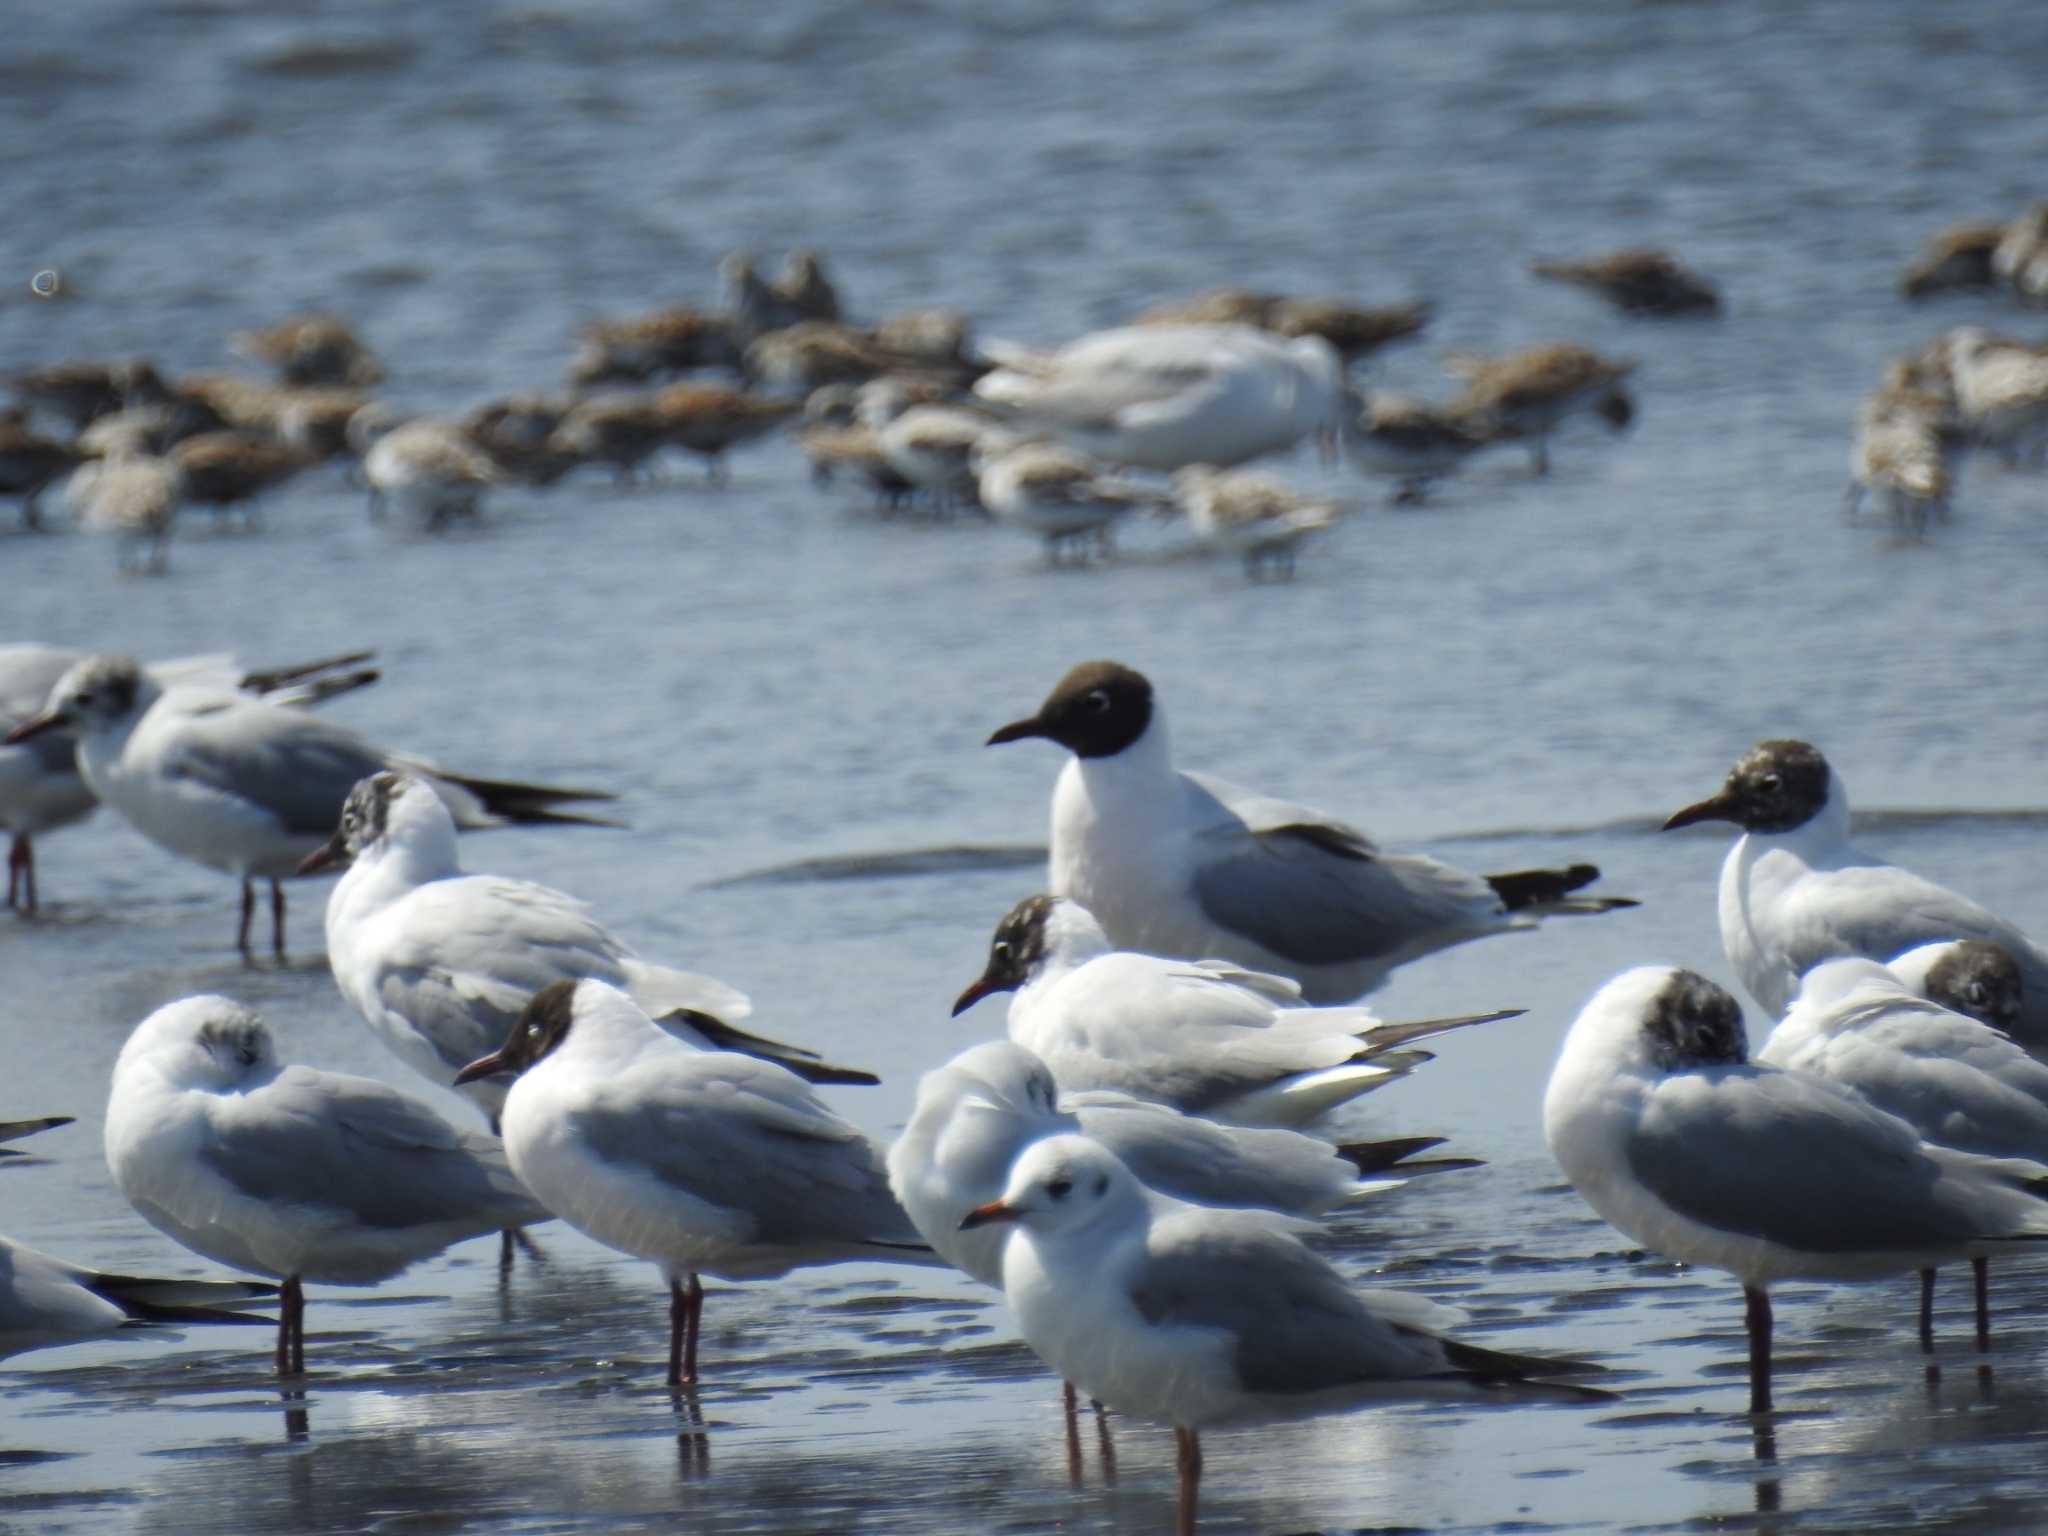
x=806, y=1064
x=1532, y=887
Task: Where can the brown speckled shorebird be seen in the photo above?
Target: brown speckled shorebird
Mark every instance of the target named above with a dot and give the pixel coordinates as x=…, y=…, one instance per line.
x=806, y=289
x=135, y=499
x=678, y=339
x=310, y=348
x=1958, y=257
x=2021, y=258
x=229, y=470
x=1356, y=331
x=624, y=431
x=1639, y=281
x=29, y=462
x=709, y=419
x=515, y=431
x=81, y=392
x=1908, y=442
x=1527, y=394
x=1412, y=442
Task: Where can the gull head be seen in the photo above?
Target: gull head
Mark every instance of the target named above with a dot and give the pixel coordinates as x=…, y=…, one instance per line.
x=1650, y=1021
x=1098, y=709
x=543, y=1025
x=997, y=1075
x=381, y=808
x=1064, y=1184
x=203, y=1042
x=1691, y=1022
x=1970, y=976
x=1775, y=786
x=1038, y=930
x=96, y=694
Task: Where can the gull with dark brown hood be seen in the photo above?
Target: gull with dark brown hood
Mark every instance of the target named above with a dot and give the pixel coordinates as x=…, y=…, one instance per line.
x=1181, y=864
x=1796, y=891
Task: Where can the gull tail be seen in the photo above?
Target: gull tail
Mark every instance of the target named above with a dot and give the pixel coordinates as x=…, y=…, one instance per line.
x=1524, y=1375
x=322, y=679
x=1548, y=891
x=806, y=1064
x=1384, y=1037
x=14, y=1130
x=1393, y=1156
x=178, y=1302
x=495, y=802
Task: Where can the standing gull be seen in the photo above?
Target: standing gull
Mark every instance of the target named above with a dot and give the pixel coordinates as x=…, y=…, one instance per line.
x=238, y=784
x=289, y=1171
x=440, y=964
x=1664, y=1127
x=1193, y=1316
x=705, y=1162
x=1182, y=864
x=1936, y=1064
x=1795, y=891
x=1206, y=1037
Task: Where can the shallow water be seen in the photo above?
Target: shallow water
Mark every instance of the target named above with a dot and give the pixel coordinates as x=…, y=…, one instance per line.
x=777, y=681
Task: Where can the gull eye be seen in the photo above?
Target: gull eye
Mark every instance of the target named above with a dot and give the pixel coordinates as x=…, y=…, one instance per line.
x=85, y=698
x=1096, y=701
x=1000, y=950
x=533, y=1031
x=1768, y=782
x=1059, y=1189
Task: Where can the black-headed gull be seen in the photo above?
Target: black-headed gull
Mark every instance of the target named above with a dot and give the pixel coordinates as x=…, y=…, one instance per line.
x=440, y=964
x=1795, y=891
x=290, y=1171
x=238, y=784
x=704, y=1162
x=1191, y=1315
x=1899, y=1038
x=45, y=1301
x=977, y=1112
x=1182, y=864
x=1205, y=1036
x=1664, y=1127
x=41, y=789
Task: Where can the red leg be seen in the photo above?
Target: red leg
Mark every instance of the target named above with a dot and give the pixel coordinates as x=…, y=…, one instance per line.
x=685, y=1310
x=277, y=920
x=693, y=1300
x=1070, y=1405
x=1757, y=1309
x=291, y=1325
x=248, y=917
x=21, y=872
x=1926, y=1311
x=1189, y=1446
x=1980, y=1270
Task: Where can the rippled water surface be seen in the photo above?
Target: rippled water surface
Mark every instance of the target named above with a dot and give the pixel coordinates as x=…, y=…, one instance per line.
x=772, y=677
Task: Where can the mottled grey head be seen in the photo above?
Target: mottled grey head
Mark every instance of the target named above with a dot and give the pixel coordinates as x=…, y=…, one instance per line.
x=543, y=1025
x=1774, y=787
x=364, y=815
x=237, y=1040
x=99, y=690
x=1694, y=1023
x=1014, y=952
x=1981, y=979
x=1098, y=709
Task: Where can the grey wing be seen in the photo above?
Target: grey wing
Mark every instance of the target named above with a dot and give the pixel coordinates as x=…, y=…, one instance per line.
x=1794, y=1160
x=473, y=951
x=749, y=1136
x=1294, y=1324
x=296, y=766
x=320, y=1138
x=1209, y=1164
x=1318, y=892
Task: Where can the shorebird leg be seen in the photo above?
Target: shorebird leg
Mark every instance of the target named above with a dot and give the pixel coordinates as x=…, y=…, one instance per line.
x=277, y=920
x=1757, y=1313
x=1980, y=1270
x=1539, y=450
x=21, y=871
x=1189, y=1460
x=685, y=1314
x=1927, y=1311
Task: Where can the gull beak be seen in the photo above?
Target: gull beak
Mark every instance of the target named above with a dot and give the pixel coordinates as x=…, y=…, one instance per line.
x=1017, y=730
x=35, y=725
x=977, y=989
x=482, y=1067
x=333, y=851
x=984, y=1215
x=1716, y=808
